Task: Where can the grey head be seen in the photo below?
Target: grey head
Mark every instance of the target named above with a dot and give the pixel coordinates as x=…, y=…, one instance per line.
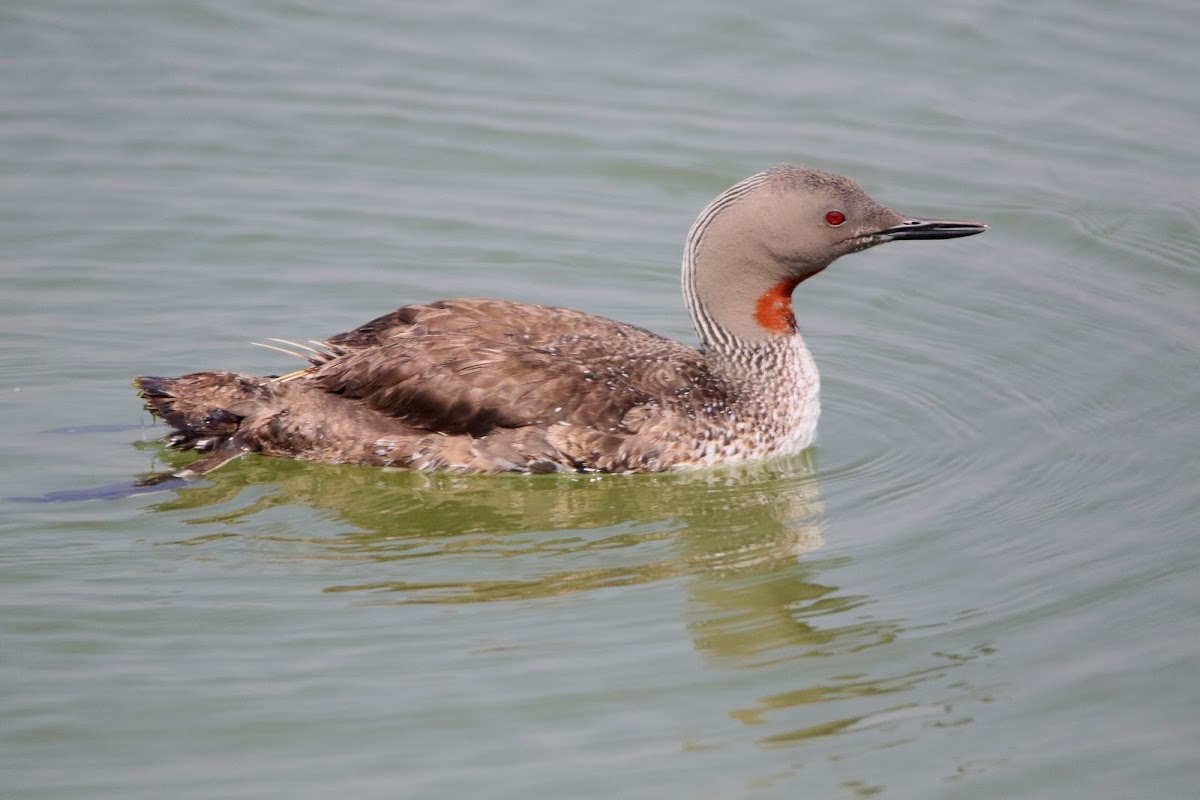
x=759, y=239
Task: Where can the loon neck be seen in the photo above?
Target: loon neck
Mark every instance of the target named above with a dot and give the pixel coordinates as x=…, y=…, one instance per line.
x=739, y=296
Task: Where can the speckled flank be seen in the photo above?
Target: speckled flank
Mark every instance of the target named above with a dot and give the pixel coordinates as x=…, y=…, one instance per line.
x=482, y=385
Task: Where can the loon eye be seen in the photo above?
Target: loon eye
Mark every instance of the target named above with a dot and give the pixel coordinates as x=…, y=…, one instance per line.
x=835, y=218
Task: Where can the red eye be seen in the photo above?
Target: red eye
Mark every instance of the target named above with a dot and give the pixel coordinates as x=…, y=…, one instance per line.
x=835, y=218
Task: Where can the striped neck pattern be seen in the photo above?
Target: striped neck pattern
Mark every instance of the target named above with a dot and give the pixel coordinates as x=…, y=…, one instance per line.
x=713, y=336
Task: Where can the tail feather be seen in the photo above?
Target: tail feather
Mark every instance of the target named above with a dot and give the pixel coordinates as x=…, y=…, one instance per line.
x=207, y=411
x=205, y=408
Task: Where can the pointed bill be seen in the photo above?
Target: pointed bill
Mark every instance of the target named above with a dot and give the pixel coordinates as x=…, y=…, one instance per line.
x=932, y=229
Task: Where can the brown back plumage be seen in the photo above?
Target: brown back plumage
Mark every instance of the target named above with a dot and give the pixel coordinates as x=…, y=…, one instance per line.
x=469, y=384
x=467, y=366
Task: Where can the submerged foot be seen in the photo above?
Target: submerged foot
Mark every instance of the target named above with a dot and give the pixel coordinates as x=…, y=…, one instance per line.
x=116, y=491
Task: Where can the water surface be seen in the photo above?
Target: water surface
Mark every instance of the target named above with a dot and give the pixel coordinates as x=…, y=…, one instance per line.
x=981, y=582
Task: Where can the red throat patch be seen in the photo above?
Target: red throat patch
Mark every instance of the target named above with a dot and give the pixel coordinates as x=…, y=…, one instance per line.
x=774, y=309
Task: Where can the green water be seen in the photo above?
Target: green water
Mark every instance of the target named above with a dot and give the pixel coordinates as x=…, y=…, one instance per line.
x=981, y=582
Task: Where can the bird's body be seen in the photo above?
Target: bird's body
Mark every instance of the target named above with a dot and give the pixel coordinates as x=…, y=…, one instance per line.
x=481, y=385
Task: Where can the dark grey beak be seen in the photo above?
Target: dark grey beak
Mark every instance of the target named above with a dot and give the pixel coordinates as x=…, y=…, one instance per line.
x=932, y=229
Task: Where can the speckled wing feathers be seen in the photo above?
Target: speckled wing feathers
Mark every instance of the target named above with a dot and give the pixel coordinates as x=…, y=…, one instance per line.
x=467, y=383
x=473, y=385
x=475, y=367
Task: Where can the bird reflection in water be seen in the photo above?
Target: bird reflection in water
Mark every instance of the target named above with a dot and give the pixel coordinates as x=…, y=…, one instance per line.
x=742, y=541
